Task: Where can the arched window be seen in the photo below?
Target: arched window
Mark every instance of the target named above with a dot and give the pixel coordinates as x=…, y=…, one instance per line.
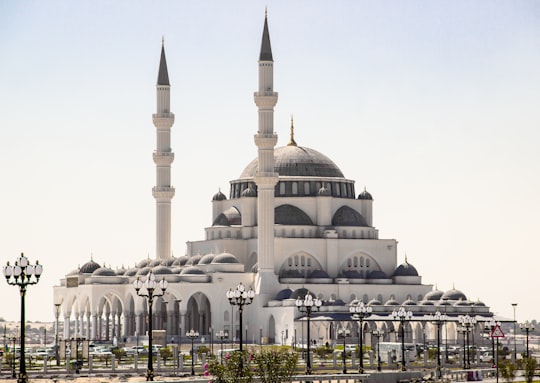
x=361, y=261
x=293, y=233
x=290, y=261
x=365, y=298
x=302, y=261
x=296, y=260
x=355, y=261
x=380, y=298
x=309, y=262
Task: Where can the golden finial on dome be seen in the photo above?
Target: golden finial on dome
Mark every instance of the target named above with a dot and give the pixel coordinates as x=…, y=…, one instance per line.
x=292, y=142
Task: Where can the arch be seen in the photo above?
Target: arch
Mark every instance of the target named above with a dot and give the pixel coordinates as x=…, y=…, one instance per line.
x=271, y=330
x=229, y=217
x=291, y=215
x=198, y=315
x=346, y=216
x=301, y=263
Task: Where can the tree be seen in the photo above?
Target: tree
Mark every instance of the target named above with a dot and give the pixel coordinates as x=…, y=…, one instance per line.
x=530, y=365
x=235, y=368
x=276, y=366
x=165, y=354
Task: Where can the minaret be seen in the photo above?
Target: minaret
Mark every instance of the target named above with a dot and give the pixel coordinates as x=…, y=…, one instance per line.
x=265, y=178
x=163, y=156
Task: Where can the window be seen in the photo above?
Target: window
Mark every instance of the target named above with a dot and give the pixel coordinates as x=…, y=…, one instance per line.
x=306, y=188
x=282, y=188
x=294, y=188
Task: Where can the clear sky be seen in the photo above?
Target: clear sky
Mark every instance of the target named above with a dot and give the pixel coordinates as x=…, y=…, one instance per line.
x=432, y=105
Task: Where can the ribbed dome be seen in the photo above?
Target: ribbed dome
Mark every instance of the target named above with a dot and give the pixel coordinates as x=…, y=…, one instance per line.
x=225, y=258
x=160, y=270
x=192, y=270
x=318, y=274
x=193, y=260
x=131, y=272
x=154, y=263
x=249, y=192
x=351, y=274
x=433, y=295
x=207, y=259
x=89, y=267
x=283, y=294
x=391, y=302
x=374, y=302
x=454, y=295
x=292, y=160
x=103, y=272
x=301, y=293
x=405, y=270
x=409, y=302
x=377, y=274
x=219, y=196
x=365, y=195
x=180, y=261
x=144, y=263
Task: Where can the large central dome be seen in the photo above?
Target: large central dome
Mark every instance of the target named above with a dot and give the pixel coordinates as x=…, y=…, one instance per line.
x=298, y=161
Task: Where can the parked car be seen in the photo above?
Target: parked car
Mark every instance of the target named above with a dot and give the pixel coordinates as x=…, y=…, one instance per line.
x=486, y=357
x=136, y=350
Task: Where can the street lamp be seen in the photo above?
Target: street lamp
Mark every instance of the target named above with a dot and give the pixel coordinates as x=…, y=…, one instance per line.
x=514, y=305
x=438, y=319
x=359, y=313
x=56, y=351
x=343, y=333
x=307, y=306
x=379, y=334
x=467, y=322
x=153, y=290
x=490, y=326
x=403, y=316
x=221, y=335
x=21, y=275
x=192, y=335
x=527, y=327
x=240, y=297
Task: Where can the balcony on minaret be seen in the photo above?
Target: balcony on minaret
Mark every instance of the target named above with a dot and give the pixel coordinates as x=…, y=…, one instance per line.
x=163, y=158
x=163, y=192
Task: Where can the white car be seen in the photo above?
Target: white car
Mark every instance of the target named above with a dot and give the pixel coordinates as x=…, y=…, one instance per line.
x=486, y=357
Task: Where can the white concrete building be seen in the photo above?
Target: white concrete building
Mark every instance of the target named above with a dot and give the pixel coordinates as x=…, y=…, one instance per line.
x=292, y=223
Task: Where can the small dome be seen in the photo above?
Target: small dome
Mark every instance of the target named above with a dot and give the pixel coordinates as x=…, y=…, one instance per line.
x=426, y=303
x=301, y=293
x=143, y=271
x=168, y=261
x=318, y=274
x=89, y=267
x=463, y=303
x=225, y=258
x=405, y=270
x=193, y=260
x=391, y=302
x=181, y=261
x=337, y=302
x=144, y=263
x=120, y=271
x=377, y=274
x=249, y=192
x=154, y=263
x=365, y=195
x=177, y=269
x=323, y=192
x=433, y=295
x=283, y=294
x=103, y=272
x=444, y=302
x=219, y=196
x=351, y=274
x=374, y=302
x=478, y=303
x=131, y=272
x=191, y=270
x=409, y=302
x=160, y=270
x=207, y=259
x=454, y=295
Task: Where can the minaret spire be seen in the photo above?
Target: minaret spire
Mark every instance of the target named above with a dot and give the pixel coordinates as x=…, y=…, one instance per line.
x=265, y=178
x=292, y=142
x=163, y=156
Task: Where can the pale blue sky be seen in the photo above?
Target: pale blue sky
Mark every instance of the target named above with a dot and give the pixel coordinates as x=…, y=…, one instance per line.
x=433, y=105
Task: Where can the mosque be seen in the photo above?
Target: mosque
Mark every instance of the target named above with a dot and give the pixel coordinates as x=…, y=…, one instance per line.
x=291, y=224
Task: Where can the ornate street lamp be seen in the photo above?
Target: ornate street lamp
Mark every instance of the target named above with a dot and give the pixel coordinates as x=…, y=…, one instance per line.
x=514, y=305
x=402, y=316
x=343, y=333
x=490, y=326
x=56, y=346
x=359, y=313
x=379, y=334
x=527, y=327
x=307, y=306
x=240, y=297
x=21, y=275
x=192, y=335
x=467, y=322
x=438, y=319
x=153, y=290
x=221, y=335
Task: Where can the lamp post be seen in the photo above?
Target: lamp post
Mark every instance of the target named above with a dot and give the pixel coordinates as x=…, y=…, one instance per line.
x=403, y=316
x=490, y=326
x=307, y=306
x=379, y=334
x=527, y=327
x=153, y=290
x=514, y=305
x=21, y=275
x=192, y=335
x=438, y=319
x=221, y=335
x=56, y=351
x=467, y=322
x=359, y=313
x=240, y=297
x=343, y=333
